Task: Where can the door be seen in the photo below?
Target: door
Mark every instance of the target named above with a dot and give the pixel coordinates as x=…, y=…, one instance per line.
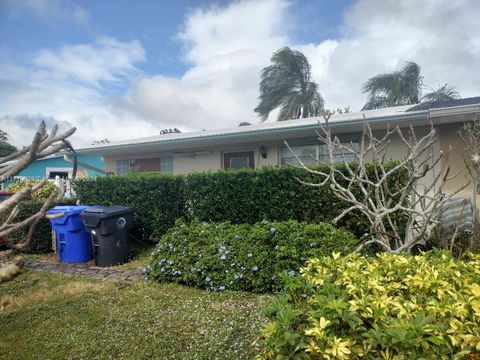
x=238, y=160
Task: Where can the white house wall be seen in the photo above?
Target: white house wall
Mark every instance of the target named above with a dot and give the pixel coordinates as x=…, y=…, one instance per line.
x=212, y=159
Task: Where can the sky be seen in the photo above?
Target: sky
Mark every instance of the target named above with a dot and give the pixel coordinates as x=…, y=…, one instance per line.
x=120, y=69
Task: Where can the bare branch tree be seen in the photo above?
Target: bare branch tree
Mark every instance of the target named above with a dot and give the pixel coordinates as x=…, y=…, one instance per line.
x=43, y=144
x=419, y=198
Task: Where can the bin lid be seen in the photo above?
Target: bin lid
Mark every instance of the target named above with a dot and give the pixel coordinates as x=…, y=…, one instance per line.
x=68, y=210
x=104, y=212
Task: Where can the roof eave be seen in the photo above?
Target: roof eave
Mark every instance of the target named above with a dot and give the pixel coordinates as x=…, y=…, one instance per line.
x=403, y=117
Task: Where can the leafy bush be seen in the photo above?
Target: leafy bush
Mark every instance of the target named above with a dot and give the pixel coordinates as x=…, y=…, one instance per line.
x=241, y=257
x=158, y=199
x=243, y=196
x=44, y=192
x=385, y=307
x=42, y=239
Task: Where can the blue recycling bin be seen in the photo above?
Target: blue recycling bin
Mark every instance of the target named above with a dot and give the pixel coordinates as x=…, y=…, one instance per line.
x=73, y=242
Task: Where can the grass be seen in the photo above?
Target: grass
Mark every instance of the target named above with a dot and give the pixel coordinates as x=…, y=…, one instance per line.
x=47, y=316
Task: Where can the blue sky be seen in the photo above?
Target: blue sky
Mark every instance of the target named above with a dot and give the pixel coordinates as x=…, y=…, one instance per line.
x=153, y=22
x=119, y=69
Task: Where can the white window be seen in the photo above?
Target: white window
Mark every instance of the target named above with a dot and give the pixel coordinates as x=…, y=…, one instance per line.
x=238, y=160
x=61, y=172
x=313, y=153
x=306, y=153
x=163, y=164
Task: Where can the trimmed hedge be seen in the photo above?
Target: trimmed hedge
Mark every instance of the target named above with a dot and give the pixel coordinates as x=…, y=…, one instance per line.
x=241, y=257
x=242, y=196
x=384, y=307
x=158, y=200
x=42, y=239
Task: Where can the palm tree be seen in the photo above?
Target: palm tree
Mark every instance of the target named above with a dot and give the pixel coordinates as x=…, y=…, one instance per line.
x=287, y=84
x=398, y=88
x=402, y=87
x=443, y=93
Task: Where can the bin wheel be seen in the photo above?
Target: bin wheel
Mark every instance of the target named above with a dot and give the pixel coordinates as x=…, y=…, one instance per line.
x=129, y=255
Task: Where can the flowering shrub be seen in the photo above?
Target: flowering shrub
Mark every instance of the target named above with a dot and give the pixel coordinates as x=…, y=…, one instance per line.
x=241, y=257
x=384, y=307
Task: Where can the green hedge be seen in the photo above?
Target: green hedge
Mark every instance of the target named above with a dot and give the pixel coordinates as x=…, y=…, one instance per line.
x=42, y=239
x=243, y=196
x=241, y=257
x=158, y=200
x=384, y=307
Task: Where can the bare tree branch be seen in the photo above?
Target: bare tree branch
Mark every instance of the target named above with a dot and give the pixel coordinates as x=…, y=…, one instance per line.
x=42, y=145
x=370, y=192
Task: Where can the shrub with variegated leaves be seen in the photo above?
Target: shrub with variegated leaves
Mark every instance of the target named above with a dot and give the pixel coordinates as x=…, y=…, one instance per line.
x=42, y=193
x=383, y=307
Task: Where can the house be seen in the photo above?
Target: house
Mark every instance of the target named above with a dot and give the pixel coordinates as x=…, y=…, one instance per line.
x=61, y=165
x=262, y=144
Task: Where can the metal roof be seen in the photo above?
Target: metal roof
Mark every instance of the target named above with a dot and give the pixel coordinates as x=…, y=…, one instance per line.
x=251, y=132
x=445, y=104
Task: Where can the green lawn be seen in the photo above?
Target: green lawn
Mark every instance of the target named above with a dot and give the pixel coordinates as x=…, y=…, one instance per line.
x=46, y=316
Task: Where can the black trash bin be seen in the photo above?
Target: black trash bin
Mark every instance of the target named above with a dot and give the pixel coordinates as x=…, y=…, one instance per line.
x=109, y=228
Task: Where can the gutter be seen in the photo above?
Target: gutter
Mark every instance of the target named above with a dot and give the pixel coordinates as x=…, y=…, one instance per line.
x=403, y=117
x=454, y=110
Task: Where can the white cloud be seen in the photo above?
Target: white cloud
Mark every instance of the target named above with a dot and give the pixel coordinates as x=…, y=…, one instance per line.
x=227, y=47
x=71, y=85
x=48, y=10
x=243, y=25
x=105, y=60
x=440, y=35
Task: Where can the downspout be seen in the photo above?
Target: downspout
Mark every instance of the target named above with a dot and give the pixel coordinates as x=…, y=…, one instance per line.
x=75, y=161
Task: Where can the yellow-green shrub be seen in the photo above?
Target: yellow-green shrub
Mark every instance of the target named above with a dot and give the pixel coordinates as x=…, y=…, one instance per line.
x=44, y=192
x=384, y=307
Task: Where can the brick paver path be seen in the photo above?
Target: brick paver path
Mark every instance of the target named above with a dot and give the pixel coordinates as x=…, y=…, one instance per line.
x=101, y=273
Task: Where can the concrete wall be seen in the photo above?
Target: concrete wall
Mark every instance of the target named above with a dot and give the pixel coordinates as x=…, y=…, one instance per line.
x=204, y=160
x=212, y=159
x=453, y=146
x=184, y=164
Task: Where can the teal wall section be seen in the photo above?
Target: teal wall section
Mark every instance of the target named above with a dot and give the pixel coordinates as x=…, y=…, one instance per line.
x=38, y=168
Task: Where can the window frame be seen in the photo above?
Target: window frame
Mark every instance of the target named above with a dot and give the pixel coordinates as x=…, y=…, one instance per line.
x=68, y=170
x=319, y=153
x=228, y=156
x=126, y=165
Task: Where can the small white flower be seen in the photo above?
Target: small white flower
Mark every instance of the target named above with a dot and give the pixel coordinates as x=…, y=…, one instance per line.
x=476, y=158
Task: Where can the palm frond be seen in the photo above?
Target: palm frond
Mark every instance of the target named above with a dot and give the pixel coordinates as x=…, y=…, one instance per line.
x=443, y=93
x=287, y=84
x=375, y=102
x=398, y=88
